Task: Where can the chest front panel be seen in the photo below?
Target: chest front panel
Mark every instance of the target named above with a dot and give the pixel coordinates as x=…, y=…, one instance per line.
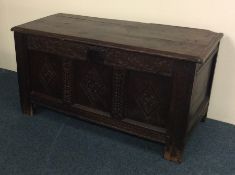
x=131, y=87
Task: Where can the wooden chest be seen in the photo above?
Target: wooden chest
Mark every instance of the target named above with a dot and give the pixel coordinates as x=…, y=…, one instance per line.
x=149, y=80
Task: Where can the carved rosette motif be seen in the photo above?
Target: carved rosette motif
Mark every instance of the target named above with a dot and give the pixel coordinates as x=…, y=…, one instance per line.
x=119, y=76
x=47, y=75
x=94, y=88
x=67, y=79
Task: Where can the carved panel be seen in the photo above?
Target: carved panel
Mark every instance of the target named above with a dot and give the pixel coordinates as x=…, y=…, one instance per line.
x=118, y=91
x=148, y=98
x=46, y=74
x=92, y=85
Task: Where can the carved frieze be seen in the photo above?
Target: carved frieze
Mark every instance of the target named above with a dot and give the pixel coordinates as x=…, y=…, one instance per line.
x=57, y=47
x=138, y=61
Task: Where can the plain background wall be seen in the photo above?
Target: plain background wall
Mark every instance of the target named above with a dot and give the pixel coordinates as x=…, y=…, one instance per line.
x=215, y=15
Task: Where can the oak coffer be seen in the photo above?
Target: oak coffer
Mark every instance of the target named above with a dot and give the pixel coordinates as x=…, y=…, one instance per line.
x=150, y=80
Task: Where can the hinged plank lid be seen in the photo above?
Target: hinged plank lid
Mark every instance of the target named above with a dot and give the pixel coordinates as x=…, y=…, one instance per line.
x=164, y=40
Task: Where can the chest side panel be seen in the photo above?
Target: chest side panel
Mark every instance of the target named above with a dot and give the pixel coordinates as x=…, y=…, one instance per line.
x=201, y=90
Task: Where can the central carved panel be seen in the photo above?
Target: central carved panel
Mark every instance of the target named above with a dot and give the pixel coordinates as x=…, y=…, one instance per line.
x=93, y=86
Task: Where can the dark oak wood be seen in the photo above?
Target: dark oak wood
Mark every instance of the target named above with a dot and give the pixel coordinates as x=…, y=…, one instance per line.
x=150, y=80
x=23, y=73
x=171, y=41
